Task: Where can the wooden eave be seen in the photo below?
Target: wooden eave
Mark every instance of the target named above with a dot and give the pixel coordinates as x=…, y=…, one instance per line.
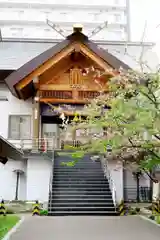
x=20, y=82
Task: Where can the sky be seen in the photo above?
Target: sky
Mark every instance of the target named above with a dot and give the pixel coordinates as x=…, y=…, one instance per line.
x=145, y=12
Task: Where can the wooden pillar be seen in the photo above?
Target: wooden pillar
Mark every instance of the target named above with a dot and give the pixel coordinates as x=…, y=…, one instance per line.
x=36, y=122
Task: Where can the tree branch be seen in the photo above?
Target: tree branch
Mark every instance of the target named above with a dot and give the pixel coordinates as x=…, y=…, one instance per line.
x=150, y=176
x=156, y=136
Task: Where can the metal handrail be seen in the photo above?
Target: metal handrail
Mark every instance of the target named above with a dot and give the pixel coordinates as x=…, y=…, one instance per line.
x=51, y=181
x=44, y=144
x=107, y=175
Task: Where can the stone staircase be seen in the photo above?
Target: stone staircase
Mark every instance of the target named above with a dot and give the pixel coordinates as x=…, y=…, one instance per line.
x=80, y=189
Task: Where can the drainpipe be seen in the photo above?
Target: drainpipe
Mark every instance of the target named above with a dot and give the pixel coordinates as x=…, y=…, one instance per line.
x=137, y=178
x=17, y=185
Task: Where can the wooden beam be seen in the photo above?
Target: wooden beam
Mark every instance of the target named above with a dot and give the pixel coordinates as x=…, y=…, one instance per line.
x=60, y=68
x=60, y=73
x=87, y=52
x=52, y=74
x=64, y=53
x=56, y=100
x=66, y=87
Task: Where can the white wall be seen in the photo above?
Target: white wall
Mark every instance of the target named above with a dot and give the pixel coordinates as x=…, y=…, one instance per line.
x=8, y=180
x=156, y=191
x=13, y=106
x=116, y=171
x=22, y=191
x=38, y=176
x=33, y=184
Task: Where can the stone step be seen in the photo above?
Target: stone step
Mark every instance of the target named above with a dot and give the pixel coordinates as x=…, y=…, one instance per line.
x=81, y=185
x=81, y=200
x=82, y=208
x=80, y=197
x=81, y=204
x=82, y=213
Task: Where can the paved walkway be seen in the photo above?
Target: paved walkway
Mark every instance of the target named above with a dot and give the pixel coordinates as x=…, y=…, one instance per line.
x=86, y=228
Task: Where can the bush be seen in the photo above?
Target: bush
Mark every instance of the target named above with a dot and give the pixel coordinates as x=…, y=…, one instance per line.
x=158, y=219
x=44, y=212
x=10, y=211
x=133, y=211
x=137, y=209
x=152, y=217
x=18, y=202
x=149, y=208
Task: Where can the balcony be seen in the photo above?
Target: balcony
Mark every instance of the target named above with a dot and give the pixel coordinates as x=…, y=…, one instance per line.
x=46, y=144
x=41, y=144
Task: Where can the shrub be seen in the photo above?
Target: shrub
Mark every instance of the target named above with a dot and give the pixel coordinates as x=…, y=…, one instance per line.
x=158, y=219
x=44, y=212
x=152, y=217
x=137, y=209
x=133, y=212
x=149, y=208
x=10, y=211
x=18, y=202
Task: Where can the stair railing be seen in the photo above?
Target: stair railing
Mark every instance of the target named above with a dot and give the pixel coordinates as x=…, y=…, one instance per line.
x=51, y=181
x=107, y=175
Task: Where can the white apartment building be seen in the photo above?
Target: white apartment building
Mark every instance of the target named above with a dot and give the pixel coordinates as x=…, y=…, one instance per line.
x=27, y=19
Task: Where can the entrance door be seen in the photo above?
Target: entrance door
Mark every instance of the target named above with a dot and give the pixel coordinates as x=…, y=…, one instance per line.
x=51, y=132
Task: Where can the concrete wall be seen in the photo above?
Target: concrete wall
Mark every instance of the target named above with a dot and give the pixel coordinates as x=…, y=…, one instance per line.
x=116, y=171
x=13, y=106
x=38, y=177
x=33, y=183
x=8, y=181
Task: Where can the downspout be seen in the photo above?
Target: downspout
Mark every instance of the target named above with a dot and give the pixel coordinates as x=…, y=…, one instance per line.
x=17, y=185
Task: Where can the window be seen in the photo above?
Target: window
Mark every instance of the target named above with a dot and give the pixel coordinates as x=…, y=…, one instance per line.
x=46, y=14
x=20, y=13
x=117, y=17
x=116, y=1
x=3, y=94
x=19, y=127
x=16, y=32
x=47, y=30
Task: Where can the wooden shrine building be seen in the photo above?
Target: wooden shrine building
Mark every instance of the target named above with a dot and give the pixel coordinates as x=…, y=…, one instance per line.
x=58, y=76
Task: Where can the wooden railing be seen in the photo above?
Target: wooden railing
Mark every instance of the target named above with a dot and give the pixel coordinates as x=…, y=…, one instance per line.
x=88, y=94
x=56, y=94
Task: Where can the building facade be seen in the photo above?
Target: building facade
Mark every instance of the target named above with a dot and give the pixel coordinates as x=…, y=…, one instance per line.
x=34, y=74
x=27, y=19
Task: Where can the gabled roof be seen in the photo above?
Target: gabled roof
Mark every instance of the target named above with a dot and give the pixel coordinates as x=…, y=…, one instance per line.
x=33, y=64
